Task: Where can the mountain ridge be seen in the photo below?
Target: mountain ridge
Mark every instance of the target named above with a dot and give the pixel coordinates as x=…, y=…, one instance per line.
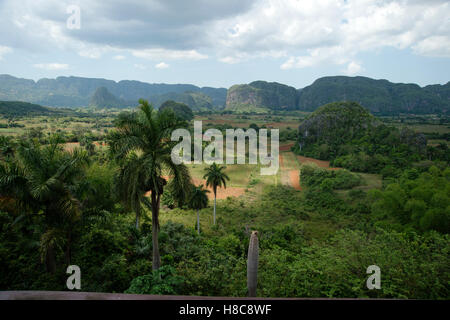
x=380, y=96
x=77, y=91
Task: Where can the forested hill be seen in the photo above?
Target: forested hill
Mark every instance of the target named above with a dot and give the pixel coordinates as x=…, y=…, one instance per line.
x=102, y=98
x=352, y=138
x=18, y=108
x=379, y=96
x=262, y=95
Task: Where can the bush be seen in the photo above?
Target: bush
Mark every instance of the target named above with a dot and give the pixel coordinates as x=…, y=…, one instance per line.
x=337, y=268
x=313, y=176
x=163, y=281
x=421, y=202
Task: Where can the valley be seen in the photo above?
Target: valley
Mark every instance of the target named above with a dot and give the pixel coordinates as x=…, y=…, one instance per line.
x=349, y=194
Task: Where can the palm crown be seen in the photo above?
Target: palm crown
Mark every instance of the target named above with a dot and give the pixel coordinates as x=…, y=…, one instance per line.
x=215, y=177
x=199, y=198
x=47, y=179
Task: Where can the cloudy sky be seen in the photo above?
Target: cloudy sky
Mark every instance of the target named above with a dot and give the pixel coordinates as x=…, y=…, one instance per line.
x=224, y=42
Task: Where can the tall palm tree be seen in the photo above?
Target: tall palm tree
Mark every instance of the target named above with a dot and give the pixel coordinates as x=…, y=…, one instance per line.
x=142, y=145
x=198, y=200
x=47, y=179
x=215, y=178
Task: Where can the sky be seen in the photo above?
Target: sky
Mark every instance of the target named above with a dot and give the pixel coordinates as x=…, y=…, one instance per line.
x=225, y=42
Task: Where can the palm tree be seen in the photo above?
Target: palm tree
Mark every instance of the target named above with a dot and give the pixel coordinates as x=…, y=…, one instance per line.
x=141, y=143
x=215, y=178
x=198, y=200
x=87, y=143
x=7, y=146
x=47, y=179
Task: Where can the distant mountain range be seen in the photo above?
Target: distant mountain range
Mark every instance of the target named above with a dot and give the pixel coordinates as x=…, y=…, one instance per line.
x=378, y=96
x=82, y=92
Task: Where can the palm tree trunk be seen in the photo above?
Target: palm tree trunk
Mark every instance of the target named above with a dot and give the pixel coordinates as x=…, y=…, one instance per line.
x=214, y=208
x=252, y=264
x=156, y=260
x=138, y=213
x=50, y=261
x=68, y=254
x=198, y=223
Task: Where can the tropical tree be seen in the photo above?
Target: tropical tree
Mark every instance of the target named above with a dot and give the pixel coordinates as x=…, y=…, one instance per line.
x=47, y=181
x=215, y=178
x=141, y=144
x=87, y=143
x=198, y=200
x=7, y=146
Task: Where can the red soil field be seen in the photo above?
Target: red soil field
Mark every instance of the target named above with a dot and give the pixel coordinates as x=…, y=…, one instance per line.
x=294, y=176
x=286, y=147
x=221, y=192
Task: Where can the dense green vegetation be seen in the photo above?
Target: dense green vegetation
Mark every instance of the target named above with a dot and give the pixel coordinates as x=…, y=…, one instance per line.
x=180, y=109
x=378, y=96
x=350, y=137
x=418, y=199
x=316, y=177
x=81, y=206
x=18, y=108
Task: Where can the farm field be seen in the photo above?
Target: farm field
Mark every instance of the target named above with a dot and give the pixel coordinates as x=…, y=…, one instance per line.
x=244, y=121
x=81, y=123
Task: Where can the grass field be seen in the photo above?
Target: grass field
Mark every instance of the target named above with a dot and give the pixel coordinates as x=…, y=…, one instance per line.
x=243, y=121
x=83, y=123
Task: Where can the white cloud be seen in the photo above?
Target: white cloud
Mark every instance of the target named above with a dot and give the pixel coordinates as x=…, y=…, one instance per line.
x=435, y=46
x=235, y=58
x=230, y=59
x=336, y=54
x=4, y=50
x=93, y=53
x=162, y=65
x=160, y=53
x=306, y=32
x=119, y=57
x=51, y=66
x=317, y=32
x=354, y=68
x=140, y=66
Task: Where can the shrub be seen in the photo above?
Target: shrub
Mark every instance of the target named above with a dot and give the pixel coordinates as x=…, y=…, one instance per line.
x=163, y=281
x=313, y=176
